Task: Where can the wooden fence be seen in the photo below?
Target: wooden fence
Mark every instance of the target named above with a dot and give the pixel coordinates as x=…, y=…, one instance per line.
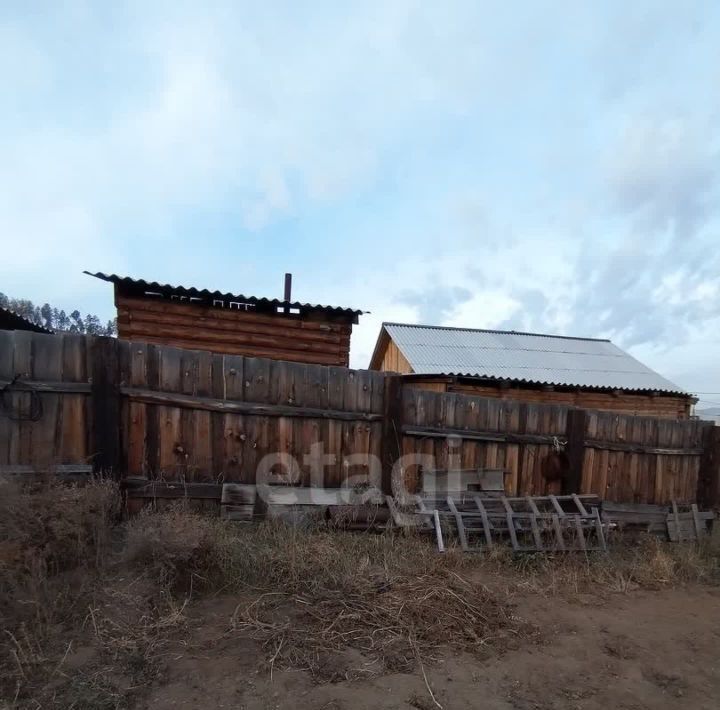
x=164, y=413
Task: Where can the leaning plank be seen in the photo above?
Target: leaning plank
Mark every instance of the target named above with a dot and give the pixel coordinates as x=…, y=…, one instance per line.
x=459, y=523
x=536, y=533
x=485, y=521
x=235, y=407
x=511, y=530
x=438, y=531
x=556, y=505
x=579, y=504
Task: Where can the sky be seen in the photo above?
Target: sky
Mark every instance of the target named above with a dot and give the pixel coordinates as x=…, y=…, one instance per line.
x=542, y=166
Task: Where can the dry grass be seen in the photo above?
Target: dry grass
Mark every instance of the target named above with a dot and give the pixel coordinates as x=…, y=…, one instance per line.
x=313, y=592
x=645, y=563
x=91, y=607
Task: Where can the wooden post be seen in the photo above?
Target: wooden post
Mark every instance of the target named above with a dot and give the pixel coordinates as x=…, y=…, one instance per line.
x=708, y=489
x=105, y=394
x=391, y=448
x=575, y=433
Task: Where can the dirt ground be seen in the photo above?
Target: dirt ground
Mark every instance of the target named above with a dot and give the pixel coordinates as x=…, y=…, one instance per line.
x=636, y=650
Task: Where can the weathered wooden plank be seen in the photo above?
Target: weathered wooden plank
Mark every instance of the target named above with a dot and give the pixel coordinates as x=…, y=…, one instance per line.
x=106, y=406
x=201, y=314
x=392, y=426
x=264, y=410
x=76, y=419
x=7, y=373
x=46, y=432
x=708, y=491
x=50, y=386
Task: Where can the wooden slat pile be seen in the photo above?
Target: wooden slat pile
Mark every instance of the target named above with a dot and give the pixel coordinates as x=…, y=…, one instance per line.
x=530, y=524
x=688, y=523
x=677, y=522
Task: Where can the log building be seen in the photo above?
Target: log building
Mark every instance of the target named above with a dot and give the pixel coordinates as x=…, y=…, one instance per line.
x=531, y=367
x=187, y=317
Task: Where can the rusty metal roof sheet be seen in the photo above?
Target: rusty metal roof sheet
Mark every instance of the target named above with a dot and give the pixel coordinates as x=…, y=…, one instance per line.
x=192, y=293
x=524, y=357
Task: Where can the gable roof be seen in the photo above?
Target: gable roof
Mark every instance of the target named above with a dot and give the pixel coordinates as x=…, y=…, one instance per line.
x=9, y=320
x=523, y=357
x=206, y=297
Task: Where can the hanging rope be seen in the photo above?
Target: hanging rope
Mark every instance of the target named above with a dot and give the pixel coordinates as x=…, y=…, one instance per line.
x=30, y=414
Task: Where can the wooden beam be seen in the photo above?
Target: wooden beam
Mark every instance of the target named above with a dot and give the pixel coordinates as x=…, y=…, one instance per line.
x=209, y=404
x=510, y=438
x=43, y=386
x=640, y=449
x=439, y=433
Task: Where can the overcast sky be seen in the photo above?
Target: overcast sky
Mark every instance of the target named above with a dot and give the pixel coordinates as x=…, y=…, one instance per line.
x=549, y=166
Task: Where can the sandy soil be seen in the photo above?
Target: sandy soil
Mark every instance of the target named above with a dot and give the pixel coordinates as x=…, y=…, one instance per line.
x=639, y=650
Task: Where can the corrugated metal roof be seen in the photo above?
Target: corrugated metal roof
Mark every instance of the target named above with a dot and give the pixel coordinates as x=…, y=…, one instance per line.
x=9, y=320
x=191, y=292
x=524, y=357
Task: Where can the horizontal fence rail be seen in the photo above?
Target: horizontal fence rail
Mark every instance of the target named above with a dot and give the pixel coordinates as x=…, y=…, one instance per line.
x=159, y=414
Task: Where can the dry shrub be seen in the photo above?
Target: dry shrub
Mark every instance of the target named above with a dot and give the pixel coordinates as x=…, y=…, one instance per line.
x=55, y=539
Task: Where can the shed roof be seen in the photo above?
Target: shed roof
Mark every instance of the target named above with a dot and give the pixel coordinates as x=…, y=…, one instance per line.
x=9, y=320
x=523, y=357
x=192, y=293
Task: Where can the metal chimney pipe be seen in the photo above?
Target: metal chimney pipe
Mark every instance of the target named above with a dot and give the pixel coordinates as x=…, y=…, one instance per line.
x=288, y=287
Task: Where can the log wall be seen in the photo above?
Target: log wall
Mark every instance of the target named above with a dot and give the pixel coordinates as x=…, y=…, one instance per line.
x=309, y=338
x=660, y=405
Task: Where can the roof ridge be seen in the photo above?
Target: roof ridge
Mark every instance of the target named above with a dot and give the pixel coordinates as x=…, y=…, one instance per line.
x=492, y=330
x=194, y=290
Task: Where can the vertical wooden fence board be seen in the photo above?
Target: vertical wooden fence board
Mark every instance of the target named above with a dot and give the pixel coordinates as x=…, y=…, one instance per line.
x=170, y=450
x=588, y=467
x=257, y=389
x=708, y=491
x=491, y=454
x=76, y=420
x=22, y=450
x=341, y=387
x=7, y=372
x=46, y=433
x=512, y=451
x=106, y=406
x=152, y=413
x=410, y=444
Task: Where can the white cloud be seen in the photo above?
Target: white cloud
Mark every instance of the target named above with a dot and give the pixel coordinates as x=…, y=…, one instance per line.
x=462, y=162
